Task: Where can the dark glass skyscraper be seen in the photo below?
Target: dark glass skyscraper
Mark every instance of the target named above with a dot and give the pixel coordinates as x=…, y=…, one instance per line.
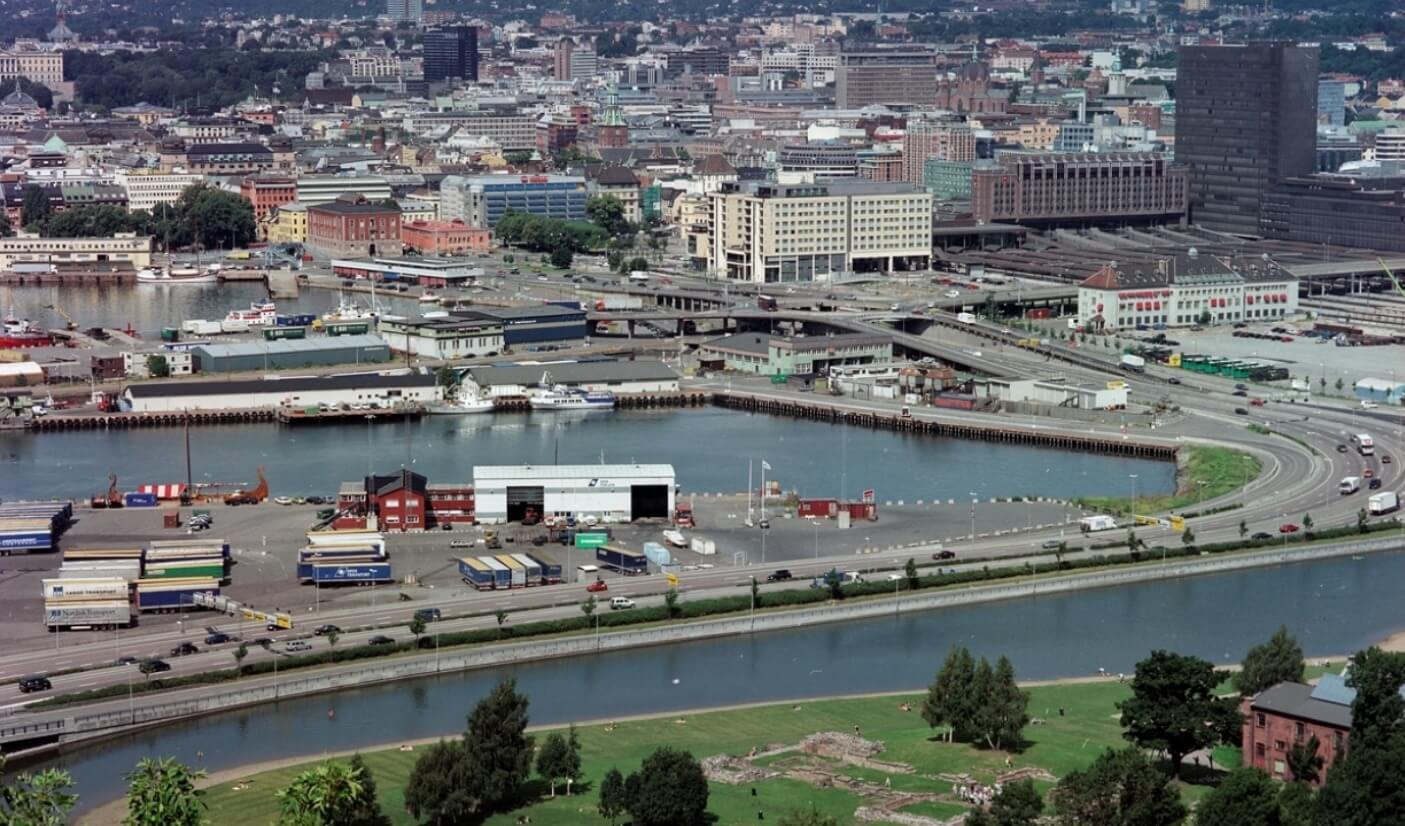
x=1246, y=118
x=451, y=52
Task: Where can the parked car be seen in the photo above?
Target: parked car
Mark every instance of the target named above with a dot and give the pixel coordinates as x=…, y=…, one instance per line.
x=34, y=683
x=325, y=629
x=297, y=645
x=154, y=666
x=781, y=575
x=1287, y=527
x=597, y=586
x=429, y=614
x=944, y=554
x=183, y=649
x=620, y=603
x=380, y=639
x=1261, y=536
x=217, y=637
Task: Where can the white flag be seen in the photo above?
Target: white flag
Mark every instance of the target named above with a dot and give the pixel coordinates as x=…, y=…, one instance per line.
x=765, y=465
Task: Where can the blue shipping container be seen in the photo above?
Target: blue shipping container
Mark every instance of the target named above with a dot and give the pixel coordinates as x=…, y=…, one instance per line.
x=296, y=320
x=140, y=500
x=174, y=598
x=26, y=540
x=476, y=573
x=551, y=571
x=372, y=572
x=623, y=560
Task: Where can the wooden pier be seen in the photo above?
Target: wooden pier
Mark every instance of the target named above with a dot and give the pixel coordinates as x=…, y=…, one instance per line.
x=104, y=421
x=909, y=424
x=299, y=415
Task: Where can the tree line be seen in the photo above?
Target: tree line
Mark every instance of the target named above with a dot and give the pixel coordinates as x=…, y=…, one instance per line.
x=202, y=217
x=212, y=78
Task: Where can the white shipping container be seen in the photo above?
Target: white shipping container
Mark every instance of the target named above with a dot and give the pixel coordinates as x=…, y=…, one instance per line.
x=87, y=589
x=705, y=547
x=98, y=612
x=101, y=569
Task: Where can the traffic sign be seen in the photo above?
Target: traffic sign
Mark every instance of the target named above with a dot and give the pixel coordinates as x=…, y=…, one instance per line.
x=591, y=540
x=1178, y=524
x=672, y=580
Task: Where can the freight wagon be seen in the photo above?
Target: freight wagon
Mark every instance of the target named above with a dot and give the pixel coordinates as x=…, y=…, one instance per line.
x=213, y=568
x=307, y=570
x=102, y=554
x=370, y=538
x=59, y=514
x=86, y=590
x=172, y=594
x=623, y=560
x=502, y=575
x=476, y=573
x=94, y=615
x=25, y=540
x=314, y=553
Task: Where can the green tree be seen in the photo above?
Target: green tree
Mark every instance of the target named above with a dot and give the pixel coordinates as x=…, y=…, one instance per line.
x=613, y=802
x=1174, y=707
x=807, y=817
x=328, y=794
x=949, y=697
x=332, y=637
x=518, y=158
x=42, y=799
x=417, y=626
x=1339, y=384
x=6, y=229
x=239, y=654
x=1279, y=660
x=562, y=257
x=1121, y=788
x=551, y=760
x=157, y=366
x=588, y=606
x=1000, y=711
x=1361, y=517
x=501, y=617
x=670, y=601
x=668, y=790
x=1132, y=541
x=161, y=792
x=638, y=263
x=439, y=790
x=1307, y=521
x=1367, y=786
x=1187, y=537
x=910, y=573
x=615, y=260
x=447, y=377
x=1295, y=804
x=1018, y=804
x=1304, y=761
x=755, y=593
x=606, y=212
x=35, y=207
x=1243, y=530
x=1244, y=797
x=367, y=810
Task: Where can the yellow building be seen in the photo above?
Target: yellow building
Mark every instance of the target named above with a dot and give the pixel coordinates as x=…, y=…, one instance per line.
x=121, y=248
x=765, y=233
x=286, y=224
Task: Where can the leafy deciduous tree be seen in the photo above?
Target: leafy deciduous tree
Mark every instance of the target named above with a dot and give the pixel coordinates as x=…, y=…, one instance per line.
x=668, y=790
x=613, y=802
x=1279, y=660
x=1174, y=707
x=1244, y=797
x=161, y=792
x=1121, y=788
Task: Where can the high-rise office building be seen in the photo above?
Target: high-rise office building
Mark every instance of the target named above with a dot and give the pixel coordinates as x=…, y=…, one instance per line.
x=1245, y=120
x=864, y=78
x=1331, y=102
x=451, y=52
x=411, y=10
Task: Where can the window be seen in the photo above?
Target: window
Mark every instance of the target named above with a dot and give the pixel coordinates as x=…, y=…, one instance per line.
x=1278, y=768
x=1259, y=749
x=1298, y=731
x=1279, y=745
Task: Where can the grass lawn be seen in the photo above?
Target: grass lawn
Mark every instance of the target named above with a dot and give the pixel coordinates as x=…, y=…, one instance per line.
x=1209, y=472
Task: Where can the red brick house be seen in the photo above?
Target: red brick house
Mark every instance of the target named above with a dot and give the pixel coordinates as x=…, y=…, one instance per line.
x=1287, y=714
x=267, y=192
x=351, y=225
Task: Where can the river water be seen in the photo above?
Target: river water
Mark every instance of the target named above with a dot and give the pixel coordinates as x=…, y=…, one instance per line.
x=1333, y=606
x=709, y=449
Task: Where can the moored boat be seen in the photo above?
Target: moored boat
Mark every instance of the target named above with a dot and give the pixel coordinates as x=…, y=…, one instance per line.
x=560, y=397
x=173, y=276
x=19, y=333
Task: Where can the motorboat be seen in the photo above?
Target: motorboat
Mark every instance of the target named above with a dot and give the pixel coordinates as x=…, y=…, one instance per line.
x=178, y=276
x=560, y=397
x=428, y=297
x=460, y=404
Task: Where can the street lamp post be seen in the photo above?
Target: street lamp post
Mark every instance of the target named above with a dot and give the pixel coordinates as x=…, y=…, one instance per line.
x=815, y=523
x=973, y=516
x=1134, y=493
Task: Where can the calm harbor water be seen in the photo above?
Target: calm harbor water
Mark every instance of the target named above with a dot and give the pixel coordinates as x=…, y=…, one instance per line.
x=709, y=449
x=1334, y=607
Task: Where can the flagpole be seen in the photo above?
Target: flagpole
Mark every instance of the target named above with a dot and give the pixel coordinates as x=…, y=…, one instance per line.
x=763, y=490
x=748, y=492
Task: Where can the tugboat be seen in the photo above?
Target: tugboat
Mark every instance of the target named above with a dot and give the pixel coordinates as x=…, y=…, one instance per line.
x=561, y=397
x=19, y=333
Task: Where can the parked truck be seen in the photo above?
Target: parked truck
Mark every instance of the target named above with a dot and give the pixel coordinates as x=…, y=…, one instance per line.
x=1133, y=364
x=86, y=590
x=95, y=614
x=172, y=594
x=476, y=573
x=624, y=560
x=1382, y=503
x=550, y=568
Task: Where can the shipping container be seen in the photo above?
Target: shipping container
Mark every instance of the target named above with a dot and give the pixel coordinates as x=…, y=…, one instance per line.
x=185, y=568
x=347, y=328
x=475, y=573
x=657, y=554
x=362, y=574
x=86, y=589
x=534, y=571
x=295, y=320
x=502, y=575
x=25, y=540
x=96, y=614
x=129, y=569
x=518, y=571
x=172, y=594
x=103, y=554
x=168, y=549
x=353, y=537
x=624, y=560
x=59, y=514
x=284, y=332
x=137, y=499
x=820, y=508
x=551, y=569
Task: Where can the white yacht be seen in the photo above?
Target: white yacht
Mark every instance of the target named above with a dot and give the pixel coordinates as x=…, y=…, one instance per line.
x=460, y=404
x=560, y=397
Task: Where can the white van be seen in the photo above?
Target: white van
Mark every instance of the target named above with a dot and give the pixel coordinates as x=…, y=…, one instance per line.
x=620, y=603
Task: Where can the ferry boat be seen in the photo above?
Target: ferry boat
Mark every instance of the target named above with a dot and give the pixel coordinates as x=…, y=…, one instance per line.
x=259, y=314
x=561, y=397
x=178, y=276
x=19, y=333
x=460, y=404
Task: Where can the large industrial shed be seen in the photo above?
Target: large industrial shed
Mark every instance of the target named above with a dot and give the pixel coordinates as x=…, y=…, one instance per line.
x=290, y=354
x=301, y=391
x=642, y=376
x=610, y=493
x=532, y=325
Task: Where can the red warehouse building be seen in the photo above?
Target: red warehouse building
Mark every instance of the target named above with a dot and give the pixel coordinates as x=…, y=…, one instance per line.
x=404, y=501
x=351, y=225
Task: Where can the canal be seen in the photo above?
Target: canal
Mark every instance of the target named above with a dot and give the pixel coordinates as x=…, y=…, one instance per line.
x=1333, y=606
x=709, y=449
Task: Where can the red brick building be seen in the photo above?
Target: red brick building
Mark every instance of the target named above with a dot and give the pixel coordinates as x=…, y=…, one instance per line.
x=404, y=501
x=438, y=237
x=351, y=225
x=268, y=192
x=1289, y=714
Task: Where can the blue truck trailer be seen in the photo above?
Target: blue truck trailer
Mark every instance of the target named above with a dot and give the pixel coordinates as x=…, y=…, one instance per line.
x=624, y=560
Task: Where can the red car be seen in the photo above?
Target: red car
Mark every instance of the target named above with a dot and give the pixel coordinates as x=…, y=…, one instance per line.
x=1288, y=527
x=597, y=585
x=1256, y=402
x=1367, y=473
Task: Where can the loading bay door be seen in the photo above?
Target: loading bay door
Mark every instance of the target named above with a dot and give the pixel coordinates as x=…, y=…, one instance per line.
x=521, y=498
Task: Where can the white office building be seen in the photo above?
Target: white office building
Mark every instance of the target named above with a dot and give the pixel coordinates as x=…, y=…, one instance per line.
x=609, y=493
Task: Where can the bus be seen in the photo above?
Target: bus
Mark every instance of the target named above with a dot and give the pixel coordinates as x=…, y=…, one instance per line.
x=1363, y=444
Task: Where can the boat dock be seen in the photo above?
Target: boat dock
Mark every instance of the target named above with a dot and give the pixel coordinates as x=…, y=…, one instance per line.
x=55, y=422
x=313, y=415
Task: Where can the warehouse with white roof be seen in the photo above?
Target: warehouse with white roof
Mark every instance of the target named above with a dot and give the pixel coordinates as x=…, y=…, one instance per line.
x=609, y=493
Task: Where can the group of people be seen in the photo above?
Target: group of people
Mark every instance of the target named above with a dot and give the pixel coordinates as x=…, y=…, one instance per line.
x=976, y=794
